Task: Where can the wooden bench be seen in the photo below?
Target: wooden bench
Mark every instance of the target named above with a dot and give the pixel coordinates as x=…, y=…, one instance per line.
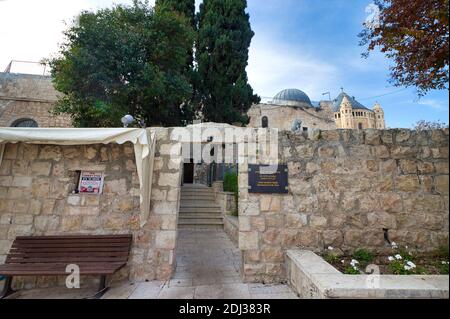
x=50, y=255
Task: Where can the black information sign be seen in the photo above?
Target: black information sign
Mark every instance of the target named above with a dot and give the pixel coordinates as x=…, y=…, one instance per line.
x=271, y=179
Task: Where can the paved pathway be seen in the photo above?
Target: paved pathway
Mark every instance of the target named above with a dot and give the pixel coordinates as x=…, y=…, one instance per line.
x=207, y=268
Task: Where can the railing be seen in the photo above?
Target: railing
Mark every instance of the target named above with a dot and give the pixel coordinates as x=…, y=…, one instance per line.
x=18, y=62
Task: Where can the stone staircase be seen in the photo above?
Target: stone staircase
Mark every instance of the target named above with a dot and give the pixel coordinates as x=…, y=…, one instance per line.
x=198, y=209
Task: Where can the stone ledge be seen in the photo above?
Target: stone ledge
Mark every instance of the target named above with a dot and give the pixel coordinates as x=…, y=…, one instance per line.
x=312, y=277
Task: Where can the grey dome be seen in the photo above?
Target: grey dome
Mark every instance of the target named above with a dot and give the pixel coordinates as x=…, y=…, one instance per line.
x=293, y=97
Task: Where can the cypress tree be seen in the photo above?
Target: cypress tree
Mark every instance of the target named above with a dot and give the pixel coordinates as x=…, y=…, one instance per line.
x=186, y=7
x=224, y=38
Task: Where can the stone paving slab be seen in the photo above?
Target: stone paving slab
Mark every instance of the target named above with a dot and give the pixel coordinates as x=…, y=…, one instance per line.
x=207, y=269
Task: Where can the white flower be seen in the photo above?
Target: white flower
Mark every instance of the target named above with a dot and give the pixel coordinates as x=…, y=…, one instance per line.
x=354, y=262
x=394, y=245
x=390, y=258
x=445, y=262
x=330, y=248
x=407, y=267
x=411, y=264
x=343, y=261
x=355, y=268
x=406, y=247
x=398, y=257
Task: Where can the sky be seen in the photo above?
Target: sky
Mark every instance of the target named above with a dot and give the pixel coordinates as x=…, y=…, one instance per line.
x=311, y=45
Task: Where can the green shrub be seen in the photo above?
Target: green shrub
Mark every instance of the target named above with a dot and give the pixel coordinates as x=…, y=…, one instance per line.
x=442, y=266
x=352, y=271
x=330, y=257
x=364, y=256
x=230, y=182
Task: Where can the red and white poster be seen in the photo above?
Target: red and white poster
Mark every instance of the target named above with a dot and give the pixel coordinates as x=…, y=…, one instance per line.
x=91, y=182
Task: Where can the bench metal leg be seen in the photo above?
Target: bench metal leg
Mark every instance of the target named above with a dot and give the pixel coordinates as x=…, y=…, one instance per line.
x=102, y=289
x=7, y=290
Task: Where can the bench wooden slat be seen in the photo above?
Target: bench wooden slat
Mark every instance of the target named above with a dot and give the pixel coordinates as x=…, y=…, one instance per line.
x=68, y=259
x=49, y=255
x=69, y=245
x=73, y=237
x=70, y=241
x=69, y=249
x=21, y=254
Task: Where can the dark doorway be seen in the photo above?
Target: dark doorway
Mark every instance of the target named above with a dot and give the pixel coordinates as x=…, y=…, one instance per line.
x=188, y=173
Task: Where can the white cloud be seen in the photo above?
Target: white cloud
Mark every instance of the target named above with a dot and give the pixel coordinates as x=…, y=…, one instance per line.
x=274, y=66
x=434, y=104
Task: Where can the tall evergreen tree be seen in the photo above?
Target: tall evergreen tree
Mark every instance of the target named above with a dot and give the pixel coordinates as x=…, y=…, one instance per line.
x=224, y=39
x=186, y=7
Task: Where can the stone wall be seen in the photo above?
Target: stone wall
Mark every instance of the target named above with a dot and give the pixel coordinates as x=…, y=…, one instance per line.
x=282, y=117
x=231, y=228
x=25, y=96
x=36, y=184
x=347, y=189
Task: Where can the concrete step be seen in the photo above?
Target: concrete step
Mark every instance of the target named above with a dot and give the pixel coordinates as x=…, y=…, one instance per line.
x=200, y=210
x=203, y=204
x=199, y=222
x=201, y=227
x=197, y=196
x=197, y=193
x=200, y=216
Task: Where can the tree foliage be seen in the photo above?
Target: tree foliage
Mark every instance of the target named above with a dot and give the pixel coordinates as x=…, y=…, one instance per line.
x=125, y=60
x=185, y=7
x=222, y=48
x=429, y=125
x=415, y=34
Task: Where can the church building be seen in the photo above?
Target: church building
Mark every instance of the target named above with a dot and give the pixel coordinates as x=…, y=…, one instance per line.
x=292, y=109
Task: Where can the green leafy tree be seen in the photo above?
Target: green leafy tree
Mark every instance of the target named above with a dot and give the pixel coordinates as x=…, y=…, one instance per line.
x=413, y=33
x=185, y=7
x=224, y=39
x=125, y=60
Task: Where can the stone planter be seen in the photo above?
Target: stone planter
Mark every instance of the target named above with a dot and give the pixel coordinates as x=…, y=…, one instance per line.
x=313, y=278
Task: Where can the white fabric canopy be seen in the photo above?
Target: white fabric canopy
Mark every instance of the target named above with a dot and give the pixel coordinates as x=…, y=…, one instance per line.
x=144, y=147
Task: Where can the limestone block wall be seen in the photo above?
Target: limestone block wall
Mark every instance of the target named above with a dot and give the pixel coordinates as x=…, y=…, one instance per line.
x=36, y=184
x=282, y=117
x=26, y=96
x=347, y=189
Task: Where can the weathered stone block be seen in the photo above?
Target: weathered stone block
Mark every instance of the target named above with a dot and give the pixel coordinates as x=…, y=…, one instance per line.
x=408, y=166
x=441, y=184
x=51, y=152
x=169, y=179
x=23, y=219
x=381, y=220
x=407, y=183
x=326, y=151
x=116, y=186
x=19, y=230
x=166, y=239
x=318, y=221
x=74, y=200
x=272, y=254
x=248, y=240
x=425, y=168
x=46, y=223
x=441, y=167
x=41, y=168
x=296, y=220
x=382, y=151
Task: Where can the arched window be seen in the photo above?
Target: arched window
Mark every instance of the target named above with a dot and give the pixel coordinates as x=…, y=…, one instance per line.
x=24, y=123
x=360, y=126
x=265, y=122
